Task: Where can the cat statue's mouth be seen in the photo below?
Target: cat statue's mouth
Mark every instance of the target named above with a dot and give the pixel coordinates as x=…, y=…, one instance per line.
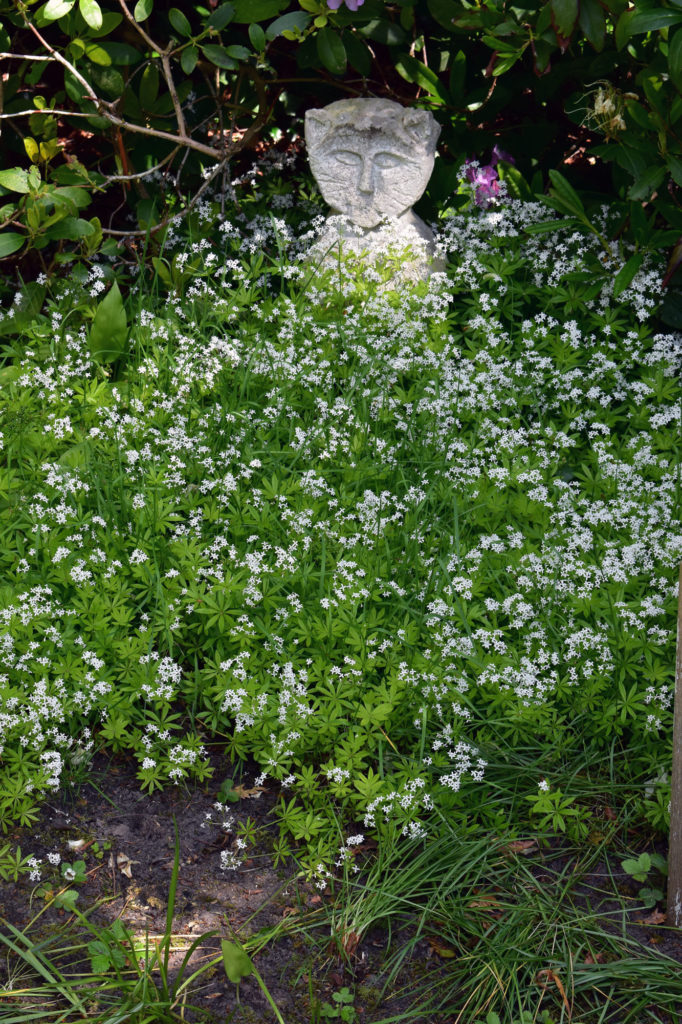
x=366, y=216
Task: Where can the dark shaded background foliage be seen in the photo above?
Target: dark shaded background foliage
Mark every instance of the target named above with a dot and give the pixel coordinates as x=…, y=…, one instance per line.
x=593, y=86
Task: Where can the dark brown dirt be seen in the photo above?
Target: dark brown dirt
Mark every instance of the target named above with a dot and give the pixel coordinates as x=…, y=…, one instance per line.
x=129, y=873
x=129, y=879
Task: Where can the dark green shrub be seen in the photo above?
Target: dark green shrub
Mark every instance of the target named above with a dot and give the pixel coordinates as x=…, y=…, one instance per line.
x=115, y=96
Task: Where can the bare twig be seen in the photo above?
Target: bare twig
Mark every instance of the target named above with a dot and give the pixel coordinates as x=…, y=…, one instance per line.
x=156, y=133
x=179, y=171
x=140, y=31
x=106, y=109
x=226, y=144
x=34, y=110
x=177, y=107
x=164, y=53
x=24, y=56
x=62, y=60
x=176, y=216
x=180, y=140
x=111, y=179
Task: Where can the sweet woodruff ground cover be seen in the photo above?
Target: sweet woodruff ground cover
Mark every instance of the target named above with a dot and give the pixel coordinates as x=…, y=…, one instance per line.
x=412, y=551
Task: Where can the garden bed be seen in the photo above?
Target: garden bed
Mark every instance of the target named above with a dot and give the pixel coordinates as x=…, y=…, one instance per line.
x=412, y=557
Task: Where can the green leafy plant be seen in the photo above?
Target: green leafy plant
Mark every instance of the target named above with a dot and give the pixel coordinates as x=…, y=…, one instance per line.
x=13, y=864
x=372, y=540
x=557, y=813
x=238, y=965
x=73, y=872
x=226, y=793
x=341, y=1007
x=156, y=86
x=134, y=429
x=46, y=211
x=131, y=973
x=108, y=952
x=99, y=849
x=109, y=329
x=526, y=1017
x=639, y=868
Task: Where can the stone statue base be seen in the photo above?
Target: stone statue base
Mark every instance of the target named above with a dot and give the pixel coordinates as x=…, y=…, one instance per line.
x=402, y=249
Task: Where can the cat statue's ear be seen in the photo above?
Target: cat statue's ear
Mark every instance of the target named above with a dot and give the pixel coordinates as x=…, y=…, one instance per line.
x=421, y=126
x=316, y=125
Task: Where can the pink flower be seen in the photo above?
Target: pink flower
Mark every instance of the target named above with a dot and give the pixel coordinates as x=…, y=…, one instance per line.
x=352, y=5
x=484, y=179
x=501, y=154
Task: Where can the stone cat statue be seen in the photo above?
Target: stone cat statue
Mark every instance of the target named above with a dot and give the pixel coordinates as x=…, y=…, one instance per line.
x=372, y=160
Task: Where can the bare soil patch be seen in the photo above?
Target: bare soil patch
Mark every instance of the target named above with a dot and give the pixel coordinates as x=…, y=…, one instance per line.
x=130, y=881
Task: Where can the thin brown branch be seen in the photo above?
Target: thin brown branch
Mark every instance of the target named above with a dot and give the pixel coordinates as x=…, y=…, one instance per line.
x=156, y=133
x=111, y=179
x=140, y=31
x=179, y=140
x=62, y=60
x=14, y=219
x=104, y=109
x=177, y=106
x=34, y=110
x=24, y=56
x=164, y=53
x=174, y=217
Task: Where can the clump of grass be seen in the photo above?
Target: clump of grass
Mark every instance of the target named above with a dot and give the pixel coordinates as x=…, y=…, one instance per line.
x=515, y=931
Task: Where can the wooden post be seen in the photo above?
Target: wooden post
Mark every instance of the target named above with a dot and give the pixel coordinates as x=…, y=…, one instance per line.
x=674, y=907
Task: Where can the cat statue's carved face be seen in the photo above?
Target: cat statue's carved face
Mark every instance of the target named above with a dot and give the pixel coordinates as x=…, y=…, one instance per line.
x=372, y=159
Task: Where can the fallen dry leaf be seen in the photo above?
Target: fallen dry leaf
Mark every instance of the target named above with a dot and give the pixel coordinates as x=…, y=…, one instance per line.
x=439, y=949
x=488, y=903
x=123, y=864
x=655, y=917
x=553, y=977
x=522, y=846
x=249, y=794
x=348, y=940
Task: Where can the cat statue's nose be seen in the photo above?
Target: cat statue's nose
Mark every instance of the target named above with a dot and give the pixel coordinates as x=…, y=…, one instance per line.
x=366, y=183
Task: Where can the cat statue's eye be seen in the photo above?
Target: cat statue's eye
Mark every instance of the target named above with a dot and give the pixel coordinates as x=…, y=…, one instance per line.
x=386, y=160
x=347, y=157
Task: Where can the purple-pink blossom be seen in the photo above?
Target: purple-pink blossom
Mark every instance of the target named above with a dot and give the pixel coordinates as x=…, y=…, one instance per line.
x=352, y=5
x=485, y=179
x=501, y=154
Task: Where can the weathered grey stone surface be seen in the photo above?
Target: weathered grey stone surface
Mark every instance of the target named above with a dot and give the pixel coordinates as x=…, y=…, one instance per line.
x=372, y=160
